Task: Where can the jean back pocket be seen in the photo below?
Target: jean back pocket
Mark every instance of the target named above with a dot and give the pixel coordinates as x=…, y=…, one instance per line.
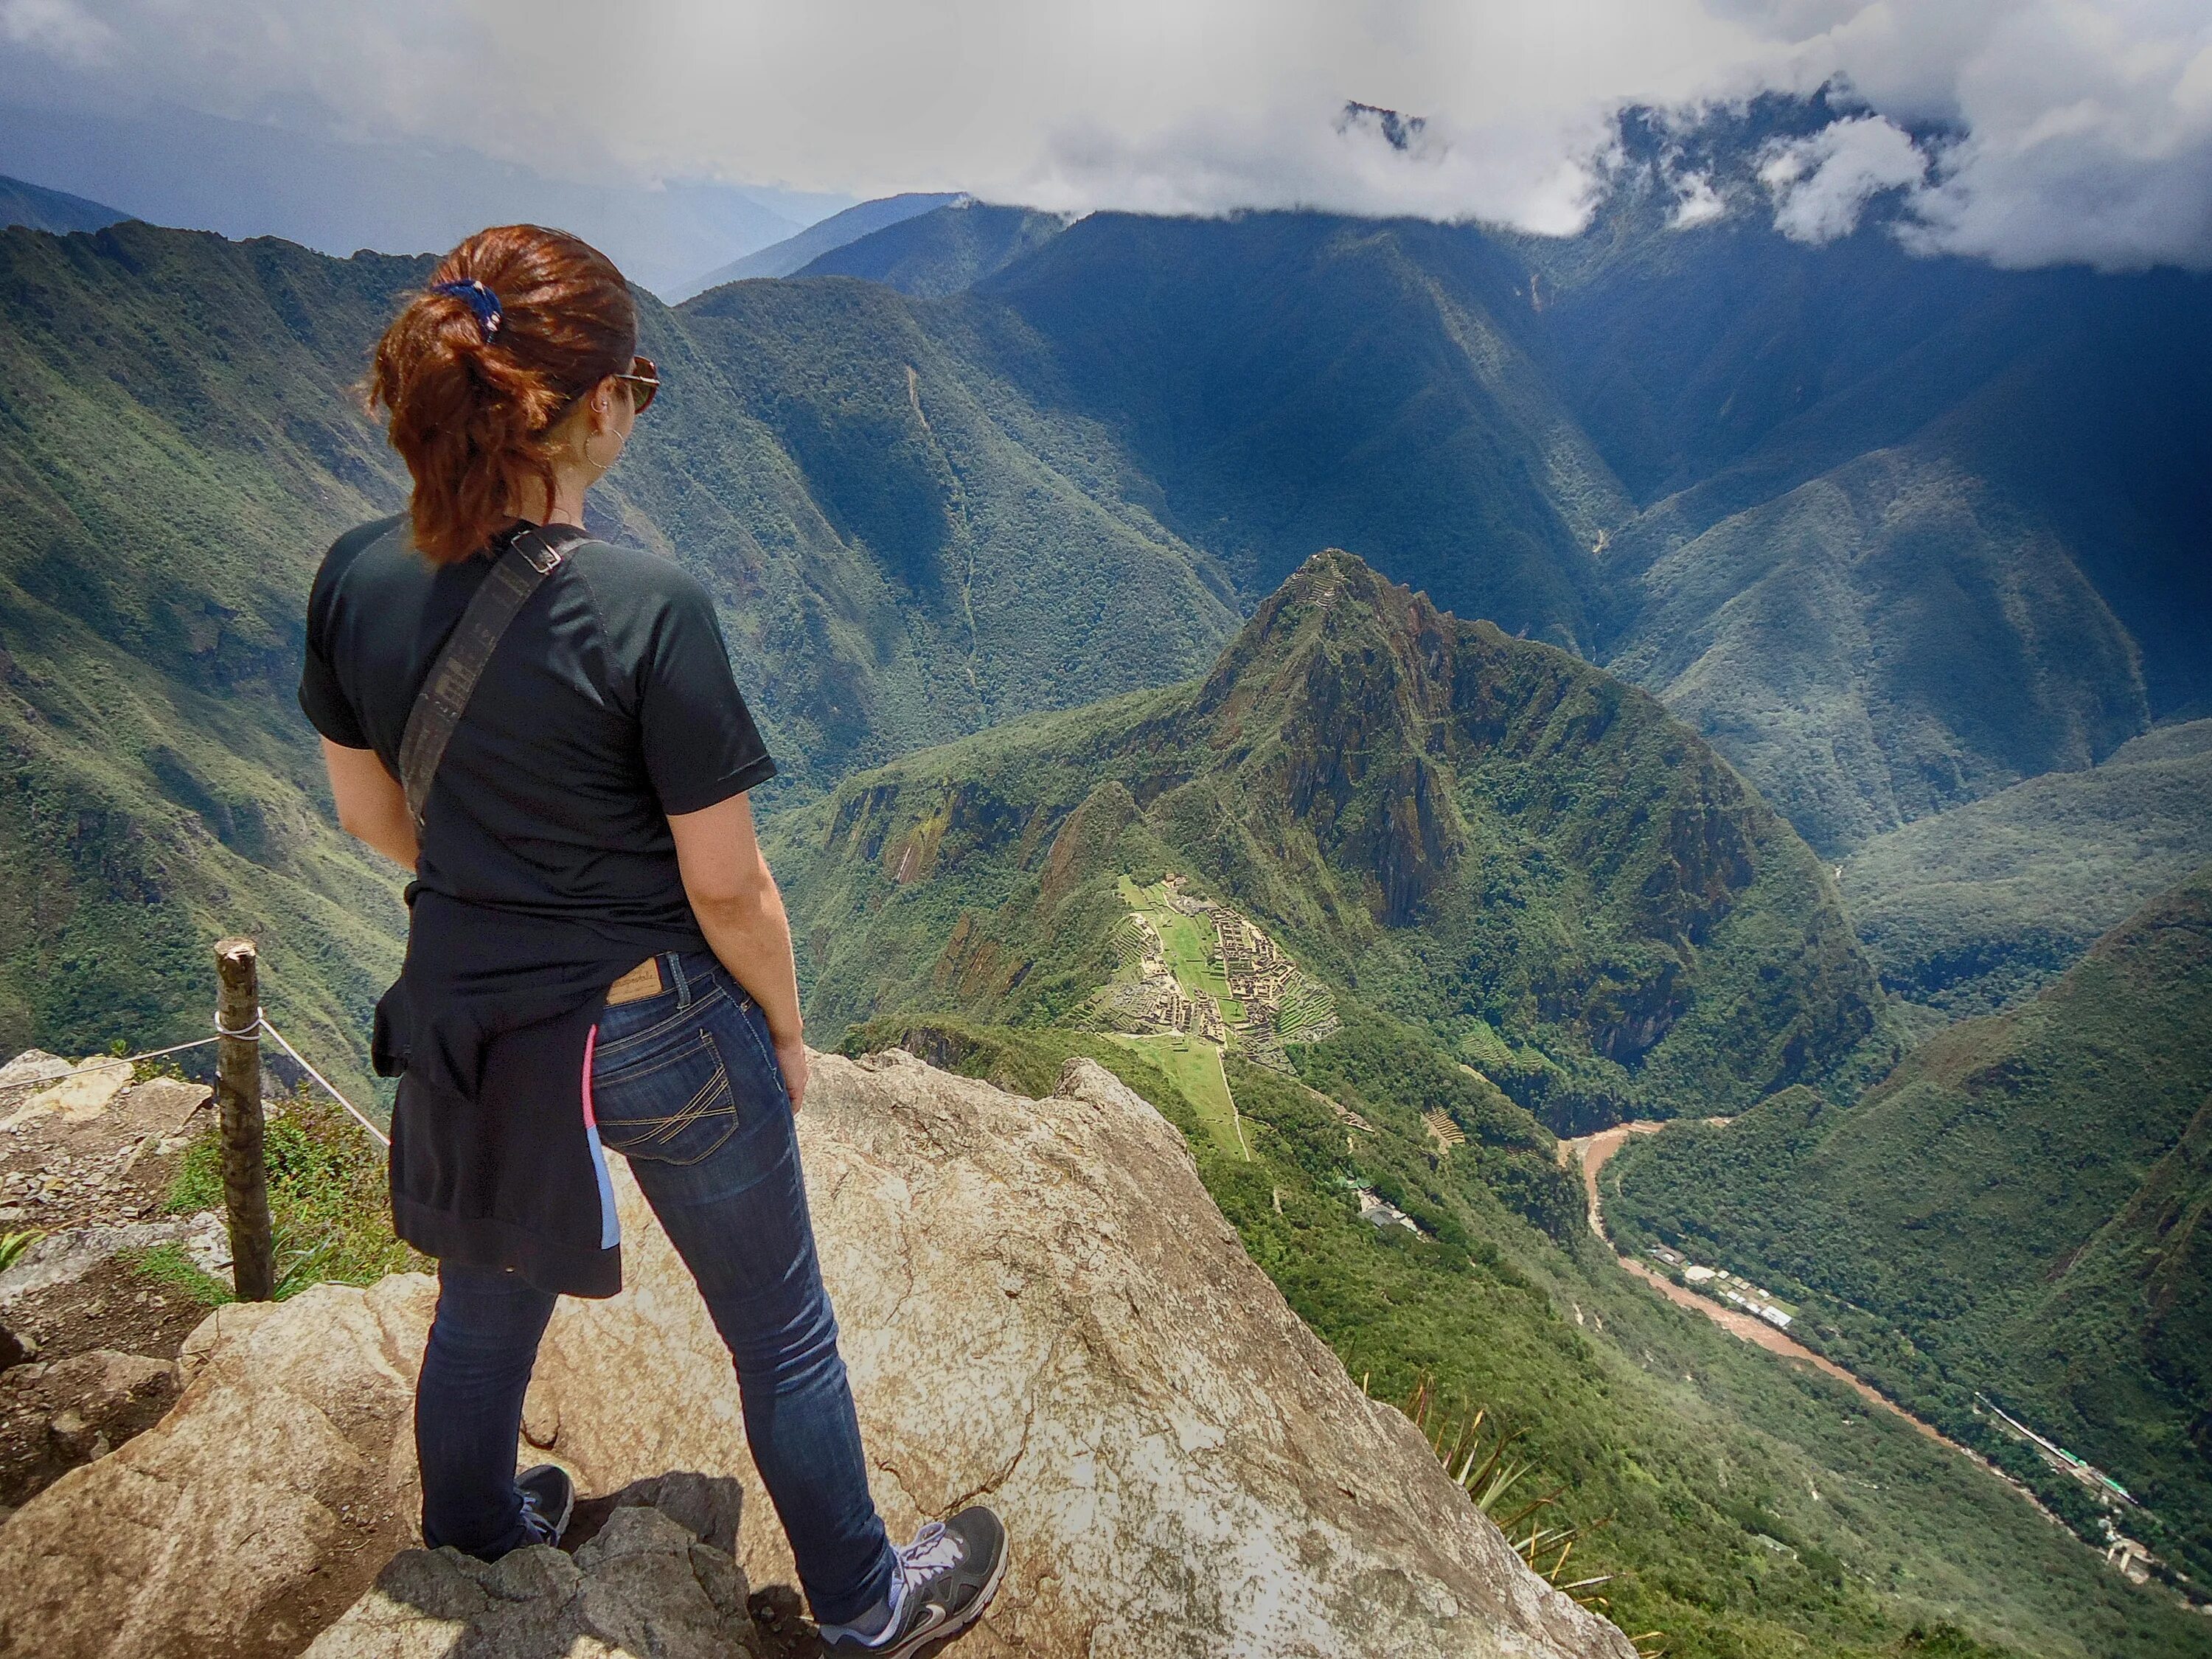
x=668, y=1101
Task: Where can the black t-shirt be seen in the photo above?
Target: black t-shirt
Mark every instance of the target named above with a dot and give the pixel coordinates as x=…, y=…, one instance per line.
x=608, y=705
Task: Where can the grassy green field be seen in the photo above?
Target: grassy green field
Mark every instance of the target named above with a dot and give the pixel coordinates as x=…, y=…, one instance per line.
x=1194, y=1068
x=1192, y=953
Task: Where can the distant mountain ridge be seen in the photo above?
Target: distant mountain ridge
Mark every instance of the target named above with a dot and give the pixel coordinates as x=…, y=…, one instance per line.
x=782, y=258
x=36, y=207
x=1983, y=905
x=253, y=178
x=944, y=251
x=1851, y=523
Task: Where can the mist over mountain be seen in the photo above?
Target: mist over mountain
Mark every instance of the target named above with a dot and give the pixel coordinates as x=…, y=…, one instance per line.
x=1672, y=564
x=172, y=166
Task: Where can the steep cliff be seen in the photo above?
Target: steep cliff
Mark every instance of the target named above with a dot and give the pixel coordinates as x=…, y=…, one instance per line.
x=1042, y=1307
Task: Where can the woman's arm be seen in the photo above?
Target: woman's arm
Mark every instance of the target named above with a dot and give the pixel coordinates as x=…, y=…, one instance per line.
x=741, y=913
x=371, y=807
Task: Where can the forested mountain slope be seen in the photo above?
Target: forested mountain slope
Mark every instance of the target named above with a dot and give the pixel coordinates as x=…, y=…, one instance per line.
x=1289, y=381
x=901, y=555
x=1893, y=533
x=1909, y=529
x=1742, y=1508
x=1482, y=835
x=2022, y=1201
x=1983, y=905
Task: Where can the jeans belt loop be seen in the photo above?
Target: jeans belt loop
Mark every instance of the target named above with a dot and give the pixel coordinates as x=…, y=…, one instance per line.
x=675, y=962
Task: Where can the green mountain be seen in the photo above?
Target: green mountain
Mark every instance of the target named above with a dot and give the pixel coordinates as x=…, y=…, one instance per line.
x=36, y=207
x=1907, y=529
x=1483, y=835
x=1840, y=507
x=947, y=250
x=182, y=441
x=1982, y=906
x=186, y=438
x=1286, y=381
x=2015, y=1210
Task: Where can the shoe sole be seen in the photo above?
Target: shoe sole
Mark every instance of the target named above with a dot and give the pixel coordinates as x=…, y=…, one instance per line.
x=952, y=1630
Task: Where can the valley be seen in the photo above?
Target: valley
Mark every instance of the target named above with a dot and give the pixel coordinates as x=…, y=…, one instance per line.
x=1590, y=1154
x=1415, y=703
x=1967, y=1228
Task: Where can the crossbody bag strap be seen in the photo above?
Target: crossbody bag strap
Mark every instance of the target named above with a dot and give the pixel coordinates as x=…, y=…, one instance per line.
x=528, y=559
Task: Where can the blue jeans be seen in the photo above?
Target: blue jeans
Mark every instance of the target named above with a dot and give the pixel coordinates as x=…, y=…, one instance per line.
x=686, y=1085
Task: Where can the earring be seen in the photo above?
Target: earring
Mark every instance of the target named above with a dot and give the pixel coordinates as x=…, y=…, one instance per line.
x=594, y=461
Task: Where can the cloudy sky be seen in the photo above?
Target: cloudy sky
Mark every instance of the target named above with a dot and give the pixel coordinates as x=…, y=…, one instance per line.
x=2049, y=130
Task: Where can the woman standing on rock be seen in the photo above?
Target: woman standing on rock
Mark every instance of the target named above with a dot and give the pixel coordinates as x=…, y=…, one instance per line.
x=597, y=954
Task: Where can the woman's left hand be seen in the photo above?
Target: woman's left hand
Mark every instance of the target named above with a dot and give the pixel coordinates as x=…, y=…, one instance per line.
x=792, y=1057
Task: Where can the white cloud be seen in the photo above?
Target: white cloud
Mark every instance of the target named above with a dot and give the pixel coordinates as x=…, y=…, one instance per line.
x=56, y=26
x=2084, y=127
x=1696, y=201
x=1822, y=184
x=2075, y=128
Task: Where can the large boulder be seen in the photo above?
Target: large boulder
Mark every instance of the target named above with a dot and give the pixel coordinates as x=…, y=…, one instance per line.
x=254, y=1512
x=1042, y=1309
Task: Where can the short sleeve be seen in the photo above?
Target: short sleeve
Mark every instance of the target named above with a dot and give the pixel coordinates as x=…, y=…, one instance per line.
x=322, y=698
x=700, y=744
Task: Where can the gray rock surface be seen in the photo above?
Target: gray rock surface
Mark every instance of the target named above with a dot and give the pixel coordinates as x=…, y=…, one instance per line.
x=1042, y=1307
x=655, y=1583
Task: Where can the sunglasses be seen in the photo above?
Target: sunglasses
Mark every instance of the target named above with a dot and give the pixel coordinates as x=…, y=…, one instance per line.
x=644, y=377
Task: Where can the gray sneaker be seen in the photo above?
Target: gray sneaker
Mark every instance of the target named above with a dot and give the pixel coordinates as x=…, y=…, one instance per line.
x=549, y=1497
x=947, y=1577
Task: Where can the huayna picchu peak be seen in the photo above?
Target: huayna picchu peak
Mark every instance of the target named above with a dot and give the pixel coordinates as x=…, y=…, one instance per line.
x=1484, y=834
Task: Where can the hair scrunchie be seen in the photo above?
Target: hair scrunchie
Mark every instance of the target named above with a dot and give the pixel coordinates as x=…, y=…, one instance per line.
x=481, y=300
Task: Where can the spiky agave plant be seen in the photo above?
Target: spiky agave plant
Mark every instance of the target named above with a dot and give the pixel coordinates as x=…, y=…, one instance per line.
x=1481, y=1460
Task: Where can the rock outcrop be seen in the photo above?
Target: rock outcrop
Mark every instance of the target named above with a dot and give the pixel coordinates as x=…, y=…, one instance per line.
x=655, y=1582
x=1042, y=1307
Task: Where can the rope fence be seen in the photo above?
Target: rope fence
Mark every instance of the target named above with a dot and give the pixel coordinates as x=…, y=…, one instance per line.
x=261, y=1023
x=240, y=1025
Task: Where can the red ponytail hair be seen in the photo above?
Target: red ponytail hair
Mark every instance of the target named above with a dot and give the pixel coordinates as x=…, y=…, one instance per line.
x=473, y=400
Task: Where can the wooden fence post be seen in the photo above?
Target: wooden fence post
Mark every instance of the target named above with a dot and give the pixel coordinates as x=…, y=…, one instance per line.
x=238, y=1100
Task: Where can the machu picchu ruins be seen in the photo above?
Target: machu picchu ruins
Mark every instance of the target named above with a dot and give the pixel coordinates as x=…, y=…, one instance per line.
x=1264, y=999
